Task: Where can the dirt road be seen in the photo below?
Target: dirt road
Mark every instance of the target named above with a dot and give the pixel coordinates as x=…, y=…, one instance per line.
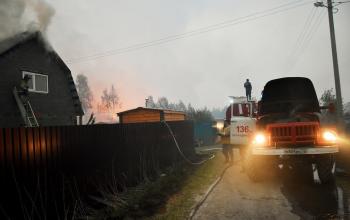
x=236, y=197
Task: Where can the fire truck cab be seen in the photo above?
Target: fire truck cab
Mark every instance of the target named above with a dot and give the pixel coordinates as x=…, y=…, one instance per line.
x=289, y=131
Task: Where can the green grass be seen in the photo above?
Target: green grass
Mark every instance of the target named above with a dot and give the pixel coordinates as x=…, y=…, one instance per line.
x=171, y=196
x=180, y=204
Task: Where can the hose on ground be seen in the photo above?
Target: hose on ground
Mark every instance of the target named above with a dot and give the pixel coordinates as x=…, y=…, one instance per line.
x=180, y=151
x=211, y=188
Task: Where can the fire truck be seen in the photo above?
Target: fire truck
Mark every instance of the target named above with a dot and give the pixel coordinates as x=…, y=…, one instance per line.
x=289, y=132
x=239, y=124
x=241, y=115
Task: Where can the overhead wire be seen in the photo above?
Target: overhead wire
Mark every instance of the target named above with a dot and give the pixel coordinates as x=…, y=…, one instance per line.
x=302, y=34
x=221, y=25
x=339, y=3
x=305, y=44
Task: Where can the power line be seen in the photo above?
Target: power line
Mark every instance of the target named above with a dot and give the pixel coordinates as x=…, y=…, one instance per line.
x=308, y=38
x=301, y=41
x=221, y=25
x=314, y=29
x=302, y=34
x=184, y=35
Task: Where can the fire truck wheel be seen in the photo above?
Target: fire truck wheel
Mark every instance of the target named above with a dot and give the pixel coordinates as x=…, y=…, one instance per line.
x=325, y=165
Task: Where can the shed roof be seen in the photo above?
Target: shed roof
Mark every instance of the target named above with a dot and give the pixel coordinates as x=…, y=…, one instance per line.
x=10, y=44
x=152, y=109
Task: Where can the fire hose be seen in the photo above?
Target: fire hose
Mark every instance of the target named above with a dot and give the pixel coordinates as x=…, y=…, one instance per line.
x=180, y=151
x=211, y=188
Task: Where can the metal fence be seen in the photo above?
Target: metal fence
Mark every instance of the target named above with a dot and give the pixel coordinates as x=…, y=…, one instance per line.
x=49, y=160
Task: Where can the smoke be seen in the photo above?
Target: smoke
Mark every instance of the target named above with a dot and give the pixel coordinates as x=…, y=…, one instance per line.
x=17, y=16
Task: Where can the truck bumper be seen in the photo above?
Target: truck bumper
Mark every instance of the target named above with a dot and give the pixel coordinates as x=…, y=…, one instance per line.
x=295, y=151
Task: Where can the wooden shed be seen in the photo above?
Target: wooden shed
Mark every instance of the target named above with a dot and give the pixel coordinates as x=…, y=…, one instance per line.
x=140, y=114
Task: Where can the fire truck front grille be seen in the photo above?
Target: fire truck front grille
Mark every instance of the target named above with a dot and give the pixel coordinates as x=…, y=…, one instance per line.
x=296, y=133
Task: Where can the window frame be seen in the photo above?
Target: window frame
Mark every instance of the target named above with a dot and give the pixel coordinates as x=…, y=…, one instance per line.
x=33, y=75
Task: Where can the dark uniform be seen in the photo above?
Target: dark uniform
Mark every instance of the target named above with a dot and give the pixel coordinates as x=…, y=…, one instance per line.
x=227, y=148
x=248, y=90
x=23, y=88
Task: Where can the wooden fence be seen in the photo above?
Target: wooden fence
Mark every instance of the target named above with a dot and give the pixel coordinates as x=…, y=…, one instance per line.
x=46, y=158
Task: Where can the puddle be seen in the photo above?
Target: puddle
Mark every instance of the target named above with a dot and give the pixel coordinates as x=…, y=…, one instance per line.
x=312, y=200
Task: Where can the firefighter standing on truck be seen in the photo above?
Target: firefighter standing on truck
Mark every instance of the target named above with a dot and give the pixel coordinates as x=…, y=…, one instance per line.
x=248, y=89
x=227, y=149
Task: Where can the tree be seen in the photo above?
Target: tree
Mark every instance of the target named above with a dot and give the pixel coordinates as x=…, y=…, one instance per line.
x=219, y=113
x=201, y=115
x=150, y=102
x=181, y=106
x=190, y=112
x=84, y=92
x=328, y=97
x=162, y=103
x=110, y=99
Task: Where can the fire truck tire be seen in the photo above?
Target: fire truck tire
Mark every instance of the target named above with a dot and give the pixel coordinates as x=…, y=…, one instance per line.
x=324, y=165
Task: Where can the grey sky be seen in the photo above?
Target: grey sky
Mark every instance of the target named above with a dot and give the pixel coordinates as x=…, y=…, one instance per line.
x=203, y=69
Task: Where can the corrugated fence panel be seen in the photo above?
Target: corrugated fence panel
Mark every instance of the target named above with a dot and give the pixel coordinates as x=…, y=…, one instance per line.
x=8, y=147
x=16, y=148
x=86, y=155
x=2, y=148
x=24, y=148
x=31, y=148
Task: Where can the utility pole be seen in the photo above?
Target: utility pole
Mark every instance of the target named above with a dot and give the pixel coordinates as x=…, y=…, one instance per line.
x=339, y=103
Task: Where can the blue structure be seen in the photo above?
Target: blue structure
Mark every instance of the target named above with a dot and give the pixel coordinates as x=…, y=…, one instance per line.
x=204, y=133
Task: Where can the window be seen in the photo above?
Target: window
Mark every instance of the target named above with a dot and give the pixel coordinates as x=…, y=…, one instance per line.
x=38, y=82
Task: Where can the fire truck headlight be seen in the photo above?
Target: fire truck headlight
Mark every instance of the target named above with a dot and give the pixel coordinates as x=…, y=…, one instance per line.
x=329, y=136
x=219, y=125
x=259, y=139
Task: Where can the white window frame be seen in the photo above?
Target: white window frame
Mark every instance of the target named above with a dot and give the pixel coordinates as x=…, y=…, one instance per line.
x=34, y=80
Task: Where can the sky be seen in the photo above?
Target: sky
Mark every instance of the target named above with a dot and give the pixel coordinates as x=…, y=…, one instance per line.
x=203, y=69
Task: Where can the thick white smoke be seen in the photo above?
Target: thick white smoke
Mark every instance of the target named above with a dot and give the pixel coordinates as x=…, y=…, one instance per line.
x=18, y=16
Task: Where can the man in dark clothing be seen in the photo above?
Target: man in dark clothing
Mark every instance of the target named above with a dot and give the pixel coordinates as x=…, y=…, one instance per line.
x=248, y=89
x=227, y=148
x=23, y=88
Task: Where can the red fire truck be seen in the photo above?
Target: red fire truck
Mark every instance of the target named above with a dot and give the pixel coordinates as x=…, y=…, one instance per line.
x=289, y=131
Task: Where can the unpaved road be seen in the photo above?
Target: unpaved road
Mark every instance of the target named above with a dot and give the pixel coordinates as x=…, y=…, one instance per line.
x=236, y=197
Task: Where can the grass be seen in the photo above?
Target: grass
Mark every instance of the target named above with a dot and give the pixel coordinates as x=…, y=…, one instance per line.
x=171, y=196
x=180, y=204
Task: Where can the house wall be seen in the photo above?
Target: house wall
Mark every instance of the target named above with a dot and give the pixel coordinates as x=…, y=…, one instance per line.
x=54, y=108
x=141, y=116
x=174, y=117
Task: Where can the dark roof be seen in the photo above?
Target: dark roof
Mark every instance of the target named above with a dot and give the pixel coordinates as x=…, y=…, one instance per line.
x=152, y=109
x=10, y=44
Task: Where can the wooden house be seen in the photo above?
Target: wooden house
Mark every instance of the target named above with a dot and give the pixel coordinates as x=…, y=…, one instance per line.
x=52, y=92
x=140, y=114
